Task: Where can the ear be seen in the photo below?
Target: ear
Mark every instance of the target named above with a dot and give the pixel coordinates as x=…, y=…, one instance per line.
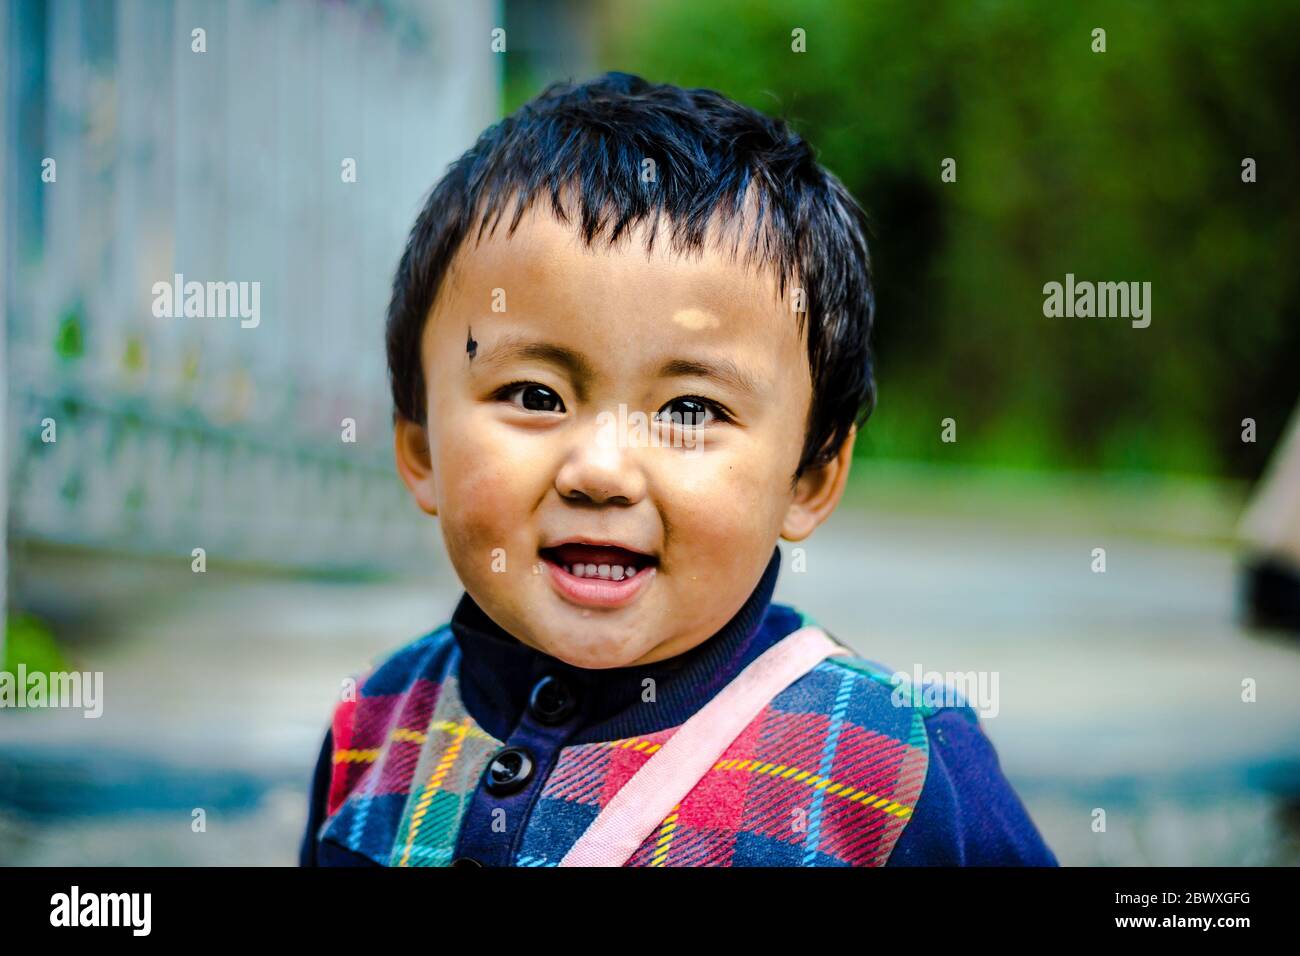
x=415, y=463
x=817, y=492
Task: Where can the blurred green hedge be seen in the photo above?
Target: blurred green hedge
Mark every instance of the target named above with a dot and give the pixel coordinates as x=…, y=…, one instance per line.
x=1115, y=166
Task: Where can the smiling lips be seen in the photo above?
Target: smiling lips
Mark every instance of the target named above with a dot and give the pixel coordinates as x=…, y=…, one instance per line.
x=598, y=575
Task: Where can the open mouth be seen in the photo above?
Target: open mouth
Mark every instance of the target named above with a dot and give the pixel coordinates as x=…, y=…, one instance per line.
x=598, y=575
x=606, y=562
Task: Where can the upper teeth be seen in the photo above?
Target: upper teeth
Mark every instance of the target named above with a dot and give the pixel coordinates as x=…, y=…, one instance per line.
x=611, y=572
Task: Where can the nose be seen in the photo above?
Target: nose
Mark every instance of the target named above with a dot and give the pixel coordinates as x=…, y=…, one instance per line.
x=602, y=468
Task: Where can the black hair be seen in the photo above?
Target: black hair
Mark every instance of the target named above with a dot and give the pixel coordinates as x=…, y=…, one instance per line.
x=710, y=153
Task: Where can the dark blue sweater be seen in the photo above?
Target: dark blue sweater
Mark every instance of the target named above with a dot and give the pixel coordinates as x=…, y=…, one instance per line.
x=967, y=814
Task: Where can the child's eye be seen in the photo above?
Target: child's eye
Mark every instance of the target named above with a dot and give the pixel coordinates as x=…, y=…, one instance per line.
x=532, y=397
x=690, y=411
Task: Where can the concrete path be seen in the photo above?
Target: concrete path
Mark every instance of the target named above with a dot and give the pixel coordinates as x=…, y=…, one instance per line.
x=1119, y=691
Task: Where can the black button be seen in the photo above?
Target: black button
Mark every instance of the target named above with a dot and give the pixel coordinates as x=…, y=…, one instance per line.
x=509, y=771
x=465, y=861
x=551, y=701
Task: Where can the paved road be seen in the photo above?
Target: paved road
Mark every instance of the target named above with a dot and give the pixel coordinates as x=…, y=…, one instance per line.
x=1118, y=691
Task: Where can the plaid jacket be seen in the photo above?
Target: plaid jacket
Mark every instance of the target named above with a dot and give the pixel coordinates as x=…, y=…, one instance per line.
x=833, y=772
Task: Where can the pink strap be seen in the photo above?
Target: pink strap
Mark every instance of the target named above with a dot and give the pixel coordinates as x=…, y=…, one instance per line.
x=671, y=773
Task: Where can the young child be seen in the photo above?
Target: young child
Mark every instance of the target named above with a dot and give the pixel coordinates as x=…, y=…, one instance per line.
x=616, y=403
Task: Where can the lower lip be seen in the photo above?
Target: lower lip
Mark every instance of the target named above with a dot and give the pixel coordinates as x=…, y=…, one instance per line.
x=597, y=592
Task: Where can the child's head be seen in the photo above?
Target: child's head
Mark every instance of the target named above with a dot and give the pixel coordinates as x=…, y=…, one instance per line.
x=665, y=350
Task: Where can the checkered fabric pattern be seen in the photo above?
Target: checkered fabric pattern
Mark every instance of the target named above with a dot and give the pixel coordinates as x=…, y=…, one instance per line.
x=827, y=775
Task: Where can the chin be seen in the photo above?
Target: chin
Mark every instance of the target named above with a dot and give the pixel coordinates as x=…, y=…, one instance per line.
x=593, y=654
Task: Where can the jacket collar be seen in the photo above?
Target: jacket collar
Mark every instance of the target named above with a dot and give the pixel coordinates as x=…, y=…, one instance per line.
x=498, y=672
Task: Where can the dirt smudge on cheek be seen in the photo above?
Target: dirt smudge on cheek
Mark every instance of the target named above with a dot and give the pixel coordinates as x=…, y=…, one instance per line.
x=481, y=514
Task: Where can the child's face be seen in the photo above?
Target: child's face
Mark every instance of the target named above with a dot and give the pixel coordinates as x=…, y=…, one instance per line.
x=518, y=459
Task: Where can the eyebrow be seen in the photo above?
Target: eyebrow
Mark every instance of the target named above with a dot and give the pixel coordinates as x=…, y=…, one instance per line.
x=723, y=371
x=514, y=348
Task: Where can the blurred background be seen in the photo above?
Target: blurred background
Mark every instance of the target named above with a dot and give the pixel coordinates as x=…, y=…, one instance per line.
x=1120, y=690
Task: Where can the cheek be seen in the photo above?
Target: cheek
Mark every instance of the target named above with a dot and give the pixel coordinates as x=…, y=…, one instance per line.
x=727, y=503
x=484, y=499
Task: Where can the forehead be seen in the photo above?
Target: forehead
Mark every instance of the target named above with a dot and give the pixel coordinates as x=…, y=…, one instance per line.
x=545, y=279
